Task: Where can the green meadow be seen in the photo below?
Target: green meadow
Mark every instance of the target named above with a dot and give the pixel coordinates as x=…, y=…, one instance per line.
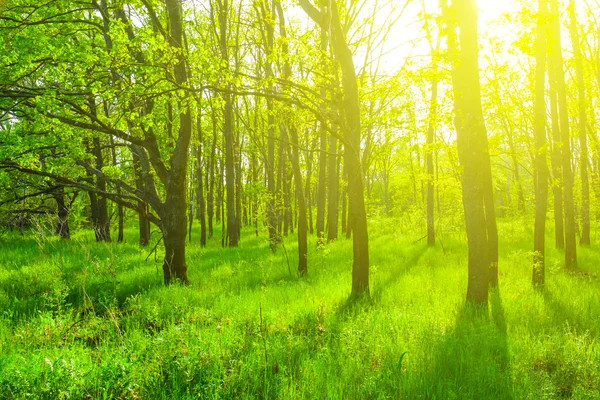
x=81, y=319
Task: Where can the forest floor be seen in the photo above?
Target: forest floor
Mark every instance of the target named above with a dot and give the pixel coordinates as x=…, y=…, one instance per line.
x=80, y=319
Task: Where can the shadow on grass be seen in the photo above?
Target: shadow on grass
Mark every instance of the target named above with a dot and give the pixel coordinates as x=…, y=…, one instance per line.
x=567, y=314
x=396, y=273
x=471, y=360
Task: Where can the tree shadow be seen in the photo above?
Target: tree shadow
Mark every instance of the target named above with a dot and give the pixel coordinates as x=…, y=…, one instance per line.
x=471, y=359
x=565, y=314
x=397, y=272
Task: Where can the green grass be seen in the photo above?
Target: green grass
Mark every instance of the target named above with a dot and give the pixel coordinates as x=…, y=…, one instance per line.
x=86, y=320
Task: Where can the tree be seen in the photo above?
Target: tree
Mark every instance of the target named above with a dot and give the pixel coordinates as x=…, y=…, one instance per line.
x=541, y=167
x=352, y=135
x=582, y=127
x=473, y=150
x=565, y=142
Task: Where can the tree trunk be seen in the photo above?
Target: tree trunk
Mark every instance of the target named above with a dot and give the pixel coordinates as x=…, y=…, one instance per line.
x=173, y=213
x=307, y=195
x=101, y=221
x=144, y=224
x=120, y=213
x=321, y=184
x=557, y=191
x=430, y=169
x=201, y=213
x=473, y=150
x=211, y=176
x=583, y=147
x=356, y=197
x=557, y=60
x=332, y=198
x=541, y=168
x=62, y=212
x=232, y=224
x=344, y=194
x=285, y=186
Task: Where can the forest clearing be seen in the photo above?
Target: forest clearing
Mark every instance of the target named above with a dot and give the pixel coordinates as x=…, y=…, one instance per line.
x=298, y=199
x=86, y=319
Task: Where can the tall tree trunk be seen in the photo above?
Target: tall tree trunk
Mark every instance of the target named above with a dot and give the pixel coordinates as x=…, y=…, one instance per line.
x=285, y=187
x=294, y=152
x=143, y=223
x=583, y=147
x=201, y=213
x=332, y=198
x=102, y=223
x=472, y=149
x=557, y=60
x=541, y=167
x=232, y=224
x=173, y=213
x=430, y=144
x=515, y=165
x=218, y=213
x=238, y=181
x=120, y=213
x=344, y=195
x=322, y=182
x=352, y=136
x=557, y=180
x=307, y=195
x=211, y=176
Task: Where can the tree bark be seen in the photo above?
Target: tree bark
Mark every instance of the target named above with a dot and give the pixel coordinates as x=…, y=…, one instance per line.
x=541, y=167
x=173, y=213
x=332, y=198
x=430, y=170
x=201, y=213
x=62, y=212
x=583, y=147
x=565, y=143
x=232, y=224
x=557, y=187
x=472, y=149
x=322, y=181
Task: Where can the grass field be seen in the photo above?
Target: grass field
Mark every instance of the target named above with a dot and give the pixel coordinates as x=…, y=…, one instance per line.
x=86, y=320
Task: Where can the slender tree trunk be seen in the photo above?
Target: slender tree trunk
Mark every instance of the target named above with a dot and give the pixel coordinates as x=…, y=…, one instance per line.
x=344, y=195
x=285, y=187
x=238, y=182
x=557, y=60
x=232, y=224
x=102, y=224
x=430, y=170
x=219, y=214
x=515, y=165
x=356, y=196
x=120, y=213
x=201, y=212
x=583, y=147
x=333, y=201
x=557, y=191
x=143, y=223
x=308, y=191
x=541, y=167
x=294, y=152
x=211, y=177
x=322, y=182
